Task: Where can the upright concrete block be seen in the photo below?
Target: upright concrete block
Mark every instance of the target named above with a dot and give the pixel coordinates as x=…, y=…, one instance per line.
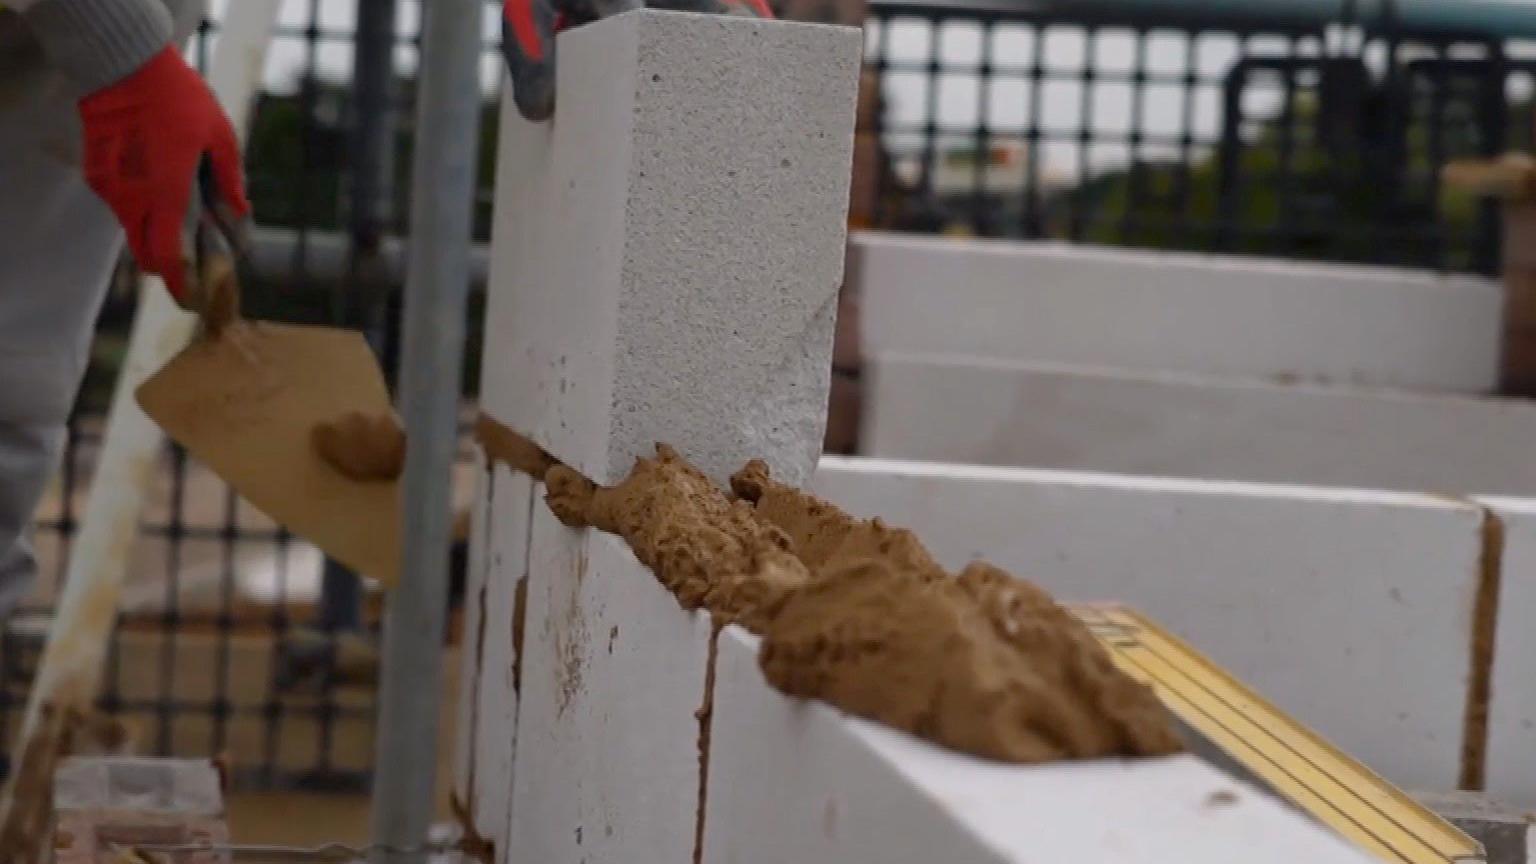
x=608, y=755
x=1075, y=418
x=665, y=265
x=668, y=250
x=495, y=640
x=1352, y=611
x=1160, y=311
x=791, y=780
x=1512, y=710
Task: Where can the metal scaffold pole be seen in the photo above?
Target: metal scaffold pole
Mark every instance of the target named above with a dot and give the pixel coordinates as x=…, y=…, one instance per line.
x=436, y=289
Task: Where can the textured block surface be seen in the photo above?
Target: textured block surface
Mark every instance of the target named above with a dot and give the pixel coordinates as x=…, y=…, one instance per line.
x=995, y=413
x=608, y=742
x=668, y=251
x=1512, y=710
x=1350, y=610
x=496, y=696
x=797, y=781
x=1254, y=318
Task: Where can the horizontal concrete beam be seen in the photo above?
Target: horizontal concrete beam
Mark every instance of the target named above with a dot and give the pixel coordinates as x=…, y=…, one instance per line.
x=1074, y=418
x=796, y=781
x=1150, y=311
x=1350, y=610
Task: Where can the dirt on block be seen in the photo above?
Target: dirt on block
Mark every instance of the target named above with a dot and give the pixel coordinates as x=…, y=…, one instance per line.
x=860, y=615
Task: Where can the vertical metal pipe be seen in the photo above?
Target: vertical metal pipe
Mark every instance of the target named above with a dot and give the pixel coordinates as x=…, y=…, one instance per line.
x=436, y=291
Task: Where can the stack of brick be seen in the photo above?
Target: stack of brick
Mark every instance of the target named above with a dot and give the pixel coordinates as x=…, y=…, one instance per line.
x=106, y=808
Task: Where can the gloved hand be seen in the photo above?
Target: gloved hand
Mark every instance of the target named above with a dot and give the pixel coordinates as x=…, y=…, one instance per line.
x=145, y=138
x=528, y=29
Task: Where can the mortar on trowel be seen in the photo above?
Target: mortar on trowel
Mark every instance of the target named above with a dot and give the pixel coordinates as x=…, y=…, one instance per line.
x=296, y=418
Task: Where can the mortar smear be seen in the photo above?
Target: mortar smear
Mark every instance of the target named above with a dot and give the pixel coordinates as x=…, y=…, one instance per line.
x=362, y=446
x=709, y=551
x=858, y=614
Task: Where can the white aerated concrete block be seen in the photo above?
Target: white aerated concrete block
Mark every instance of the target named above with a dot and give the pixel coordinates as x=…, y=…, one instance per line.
x=1350, y=610
x=995, y=413
x=794, y=781
x=1512, y=715
x=496, y=691
x=1157, y=311
x=667, y=252
x=608, y=756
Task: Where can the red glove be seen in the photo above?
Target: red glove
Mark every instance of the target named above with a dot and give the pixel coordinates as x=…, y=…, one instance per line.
x=145, y=137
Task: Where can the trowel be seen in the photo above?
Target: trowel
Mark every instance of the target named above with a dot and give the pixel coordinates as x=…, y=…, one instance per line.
x=244, y=397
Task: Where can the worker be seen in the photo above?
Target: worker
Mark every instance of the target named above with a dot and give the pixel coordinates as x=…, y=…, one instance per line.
x=528, y=38
x=103, y=127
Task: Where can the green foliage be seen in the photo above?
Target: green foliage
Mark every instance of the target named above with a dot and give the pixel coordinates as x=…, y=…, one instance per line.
x=1296, y=198
x=1361, y=197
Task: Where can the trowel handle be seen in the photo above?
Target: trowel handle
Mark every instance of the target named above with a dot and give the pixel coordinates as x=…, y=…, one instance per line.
x=220, y=304
x=217, y=242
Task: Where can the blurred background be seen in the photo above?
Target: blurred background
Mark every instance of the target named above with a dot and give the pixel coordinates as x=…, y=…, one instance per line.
x=1281, y=128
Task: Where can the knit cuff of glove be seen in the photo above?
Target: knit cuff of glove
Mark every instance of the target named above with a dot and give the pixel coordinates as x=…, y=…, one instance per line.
x=97, y=42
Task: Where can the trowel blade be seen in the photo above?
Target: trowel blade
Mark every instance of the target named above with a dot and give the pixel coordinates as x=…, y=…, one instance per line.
x=244, y=404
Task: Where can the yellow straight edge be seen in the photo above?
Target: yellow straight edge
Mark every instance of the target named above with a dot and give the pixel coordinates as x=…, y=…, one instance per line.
x=1314, y=775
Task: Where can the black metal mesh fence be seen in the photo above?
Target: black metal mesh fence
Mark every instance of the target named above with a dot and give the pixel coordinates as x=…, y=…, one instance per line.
x=1321, y=143
x=999, y=121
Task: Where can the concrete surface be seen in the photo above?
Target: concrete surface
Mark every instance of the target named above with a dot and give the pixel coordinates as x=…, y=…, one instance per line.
x=1156, y=311
x=633, y=299
x=491, y=642
x=608, y=743
x=1350, y=610
x=994, y=413
x=647, y=300
x=796, y=781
